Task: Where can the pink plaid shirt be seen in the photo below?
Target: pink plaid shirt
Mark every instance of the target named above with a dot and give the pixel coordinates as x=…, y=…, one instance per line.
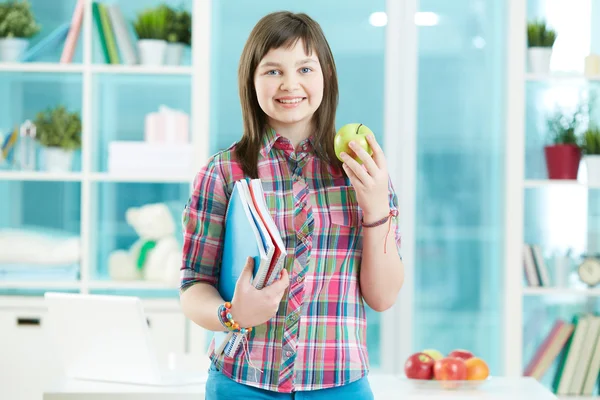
x=317, y=339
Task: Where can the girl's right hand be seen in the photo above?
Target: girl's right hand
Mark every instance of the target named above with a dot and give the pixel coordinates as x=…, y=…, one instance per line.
x=251, y=307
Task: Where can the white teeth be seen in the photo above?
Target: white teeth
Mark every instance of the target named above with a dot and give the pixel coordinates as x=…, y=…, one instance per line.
x=298, y=100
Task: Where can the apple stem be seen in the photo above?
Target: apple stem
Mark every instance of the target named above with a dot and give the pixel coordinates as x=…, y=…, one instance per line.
x=358, y=128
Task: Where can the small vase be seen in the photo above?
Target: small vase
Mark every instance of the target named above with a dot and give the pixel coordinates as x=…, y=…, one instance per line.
x=174, y=53
x=12, y=49
x=562, y=161
x=57, y=159
x=539, y=59
x=592, y=163
x=152, y=51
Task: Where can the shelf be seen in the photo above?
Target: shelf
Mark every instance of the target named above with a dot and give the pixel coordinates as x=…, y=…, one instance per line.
x=544, y=183
x=39, y=285
x=41, y=67
x=552, y=291
x=142, y=70
x=111, y=177
x=40, y=176
x=561, y=77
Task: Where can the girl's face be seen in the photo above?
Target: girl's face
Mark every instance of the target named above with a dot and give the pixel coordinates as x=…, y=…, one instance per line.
x=289, y=85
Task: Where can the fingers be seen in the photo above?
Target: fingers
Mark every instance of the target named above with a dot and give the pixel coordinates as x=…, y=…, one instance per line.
x=360, y=172
x=353, y=178
x=378, y=155
x=367, y=160
x=278, y=287
x=248, y=271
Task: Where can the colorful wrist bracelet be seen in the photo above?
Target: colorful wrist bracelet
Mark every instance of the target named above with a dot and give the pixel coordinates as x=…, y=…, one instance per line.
x=227, y=320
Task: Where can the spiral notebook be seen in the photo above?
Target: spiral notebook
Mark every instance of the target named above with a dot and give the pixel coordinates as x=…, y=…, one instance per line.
x=250, y=231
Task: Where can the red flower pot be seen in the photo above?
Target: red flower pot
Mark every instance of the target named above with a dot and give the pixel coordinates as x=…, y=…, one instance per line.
x=562, y=161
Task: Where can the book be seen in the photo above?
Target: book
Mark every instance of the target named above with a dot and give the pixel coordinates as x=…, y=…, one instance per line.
x=250, y=231
x=73, y=35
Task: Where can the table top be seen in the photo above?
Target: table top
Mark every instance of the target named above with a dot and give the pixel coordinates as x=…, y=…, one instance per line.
x=384, y=387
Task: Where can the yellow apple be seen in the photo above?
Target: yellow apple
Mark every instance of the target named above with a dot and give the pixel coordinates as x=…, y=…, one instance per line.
x=435, y=354
x=349, y=132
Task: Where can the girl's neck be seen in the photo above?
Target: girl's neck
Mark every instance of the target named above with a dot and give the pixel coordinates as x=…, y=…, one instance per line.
x=295, y=132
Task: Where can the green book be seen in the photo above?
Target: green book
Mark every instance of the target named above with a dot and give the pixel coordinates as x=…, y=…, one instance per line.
x=111, y=44
x=98, y=20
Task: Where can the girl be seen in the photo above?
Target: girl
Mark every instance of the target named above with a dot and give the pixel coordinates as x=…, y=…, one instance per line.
x=307, y=331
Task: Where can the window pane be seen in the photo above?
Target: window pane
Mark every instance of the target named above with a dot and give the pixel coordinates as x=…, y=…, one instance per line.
x=460, y=141
x=358, y=48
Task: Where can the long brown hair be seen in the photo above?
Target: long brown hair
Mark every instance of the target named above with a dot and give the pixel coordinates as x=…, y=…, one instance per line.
x=273, y=31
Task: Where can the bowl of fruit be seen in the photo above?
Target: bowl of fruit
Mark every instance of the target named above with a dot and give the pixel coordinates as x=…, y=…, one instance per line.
x=459, y=370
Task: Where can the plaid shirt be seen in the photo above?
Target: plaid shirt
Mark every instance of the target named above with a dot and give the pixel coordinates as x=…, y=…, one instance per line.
x=317, y=339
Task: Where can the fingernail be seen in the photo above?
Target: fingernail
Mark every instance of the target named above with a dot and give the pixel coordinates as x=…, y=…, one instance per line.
x=352, y=143
x=370, y=136
x=343, y=154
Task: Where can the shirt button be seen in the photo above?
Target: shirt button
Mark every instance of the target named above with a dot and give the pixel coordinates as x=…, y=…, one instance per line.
x=288, y=353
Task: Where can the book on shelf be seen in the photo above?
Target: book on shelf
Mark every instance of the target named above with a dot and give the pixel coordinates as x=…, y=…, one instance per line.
x=534, y=266
x=249, y=232
x=575, y=347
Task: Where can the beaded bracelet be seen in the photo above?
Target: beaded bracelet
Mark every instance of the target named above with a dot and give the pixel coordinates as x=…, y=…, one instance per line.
x=382, y=221
x=227, y=320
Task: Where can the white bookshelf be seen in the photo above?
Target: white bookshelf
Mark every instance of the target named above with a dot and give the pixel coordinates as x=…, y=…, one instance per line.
x=199, y=92
x=566, y=77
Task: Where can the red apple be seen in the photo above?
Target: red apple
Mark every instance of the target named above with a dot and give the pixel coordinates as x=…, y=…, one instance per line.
x=462, y=354
x=450, y=369
x=419, y=366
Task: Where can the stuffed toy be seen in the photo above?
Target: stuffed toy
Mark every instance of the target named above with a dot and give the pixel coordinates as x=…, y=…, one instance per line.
x=156, y=255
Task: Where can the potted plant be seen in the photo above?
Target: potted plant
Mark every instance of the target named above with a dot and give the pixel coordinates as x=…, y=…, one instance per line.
x=590, y=148
x=151, y=29
x=179, y=35
x=563, y=154
x=59, y=132
x=540, y=40
x=17, y=26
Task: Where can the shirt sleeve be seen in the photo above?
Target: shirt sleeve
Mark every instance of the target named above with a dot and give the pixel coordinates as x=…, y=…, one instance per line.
x=203, y=226
x=393, y=199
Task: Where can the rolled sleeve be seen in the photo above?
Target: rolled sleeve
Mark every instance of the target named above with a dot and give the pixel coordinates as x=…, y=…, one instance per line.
x=393, y=199
x=203, y=226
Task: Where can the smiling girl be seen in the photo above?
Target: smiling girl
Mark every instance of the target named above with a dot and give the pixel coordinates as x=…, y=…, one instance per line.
x=307, y=331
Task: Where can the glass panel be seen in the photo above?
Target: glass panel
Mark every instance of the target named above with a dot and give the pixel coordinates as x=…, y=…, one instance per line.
x=460, y=183
x=40, y=239
x=26, y=94
x=53, y=18
x=130, y=11
x=358, y=49
x=131, y=217
x=126, y=109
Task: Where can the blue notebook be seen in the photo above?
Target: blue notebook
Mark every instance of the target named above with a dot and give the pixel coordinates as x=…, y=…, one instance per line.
x=245, y=236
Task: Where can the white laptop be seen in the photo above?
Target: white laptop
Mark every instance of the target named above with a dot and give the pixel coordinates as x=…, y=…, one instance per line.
x=106, y=338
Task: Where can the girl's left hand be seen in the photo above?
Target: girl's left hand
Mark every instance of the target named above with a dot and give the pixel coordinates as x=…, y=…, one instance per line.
x=370, y=180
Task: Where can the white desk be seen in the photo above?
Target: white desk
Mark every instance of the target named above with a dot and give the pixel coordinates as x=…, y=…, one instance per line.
x=384, y=387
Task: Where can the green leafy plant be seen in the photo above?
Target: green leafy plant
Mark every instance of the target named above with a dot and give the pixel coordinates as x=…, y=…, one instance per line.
x=563, y=127
x=179, y=26
x=152, y=23
x=590, y=141
x=58, y=127
x=540, y=35
x=17, y=20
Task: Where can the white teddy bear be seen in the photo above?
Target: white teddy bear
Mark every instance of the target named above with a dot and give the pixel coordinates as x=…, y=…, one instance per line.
x=156, y=255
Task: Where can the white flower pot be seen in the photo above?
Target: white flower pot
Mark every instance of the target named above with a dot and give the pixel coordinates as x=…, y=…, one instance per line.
x=174, y=53
x=57, y=159
x=592, y=163
x=12, y=49
x=539, y=59
x=152, y=51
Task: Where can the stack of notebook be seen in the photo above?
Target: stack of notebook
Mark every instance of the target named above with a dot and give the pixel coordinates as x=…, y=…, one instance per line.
x=249, y=232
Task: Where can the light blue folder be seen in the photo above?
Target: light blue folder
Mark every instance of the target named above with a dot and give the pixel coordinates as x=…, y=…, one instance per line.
x=245, y=236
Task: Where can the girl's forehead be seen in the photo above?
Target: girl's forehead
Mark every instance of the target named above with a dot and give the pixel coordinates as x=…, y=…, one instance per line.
x=295, y=49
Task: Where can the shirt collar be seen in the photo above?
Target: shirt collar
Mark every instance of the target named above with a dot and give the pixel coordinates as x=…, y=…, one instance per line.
x=272, y=139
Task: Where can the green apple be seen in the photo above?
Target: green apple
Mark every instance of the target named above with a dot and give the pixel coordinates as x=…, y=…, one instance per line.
x=435, y=354
x=348, y=132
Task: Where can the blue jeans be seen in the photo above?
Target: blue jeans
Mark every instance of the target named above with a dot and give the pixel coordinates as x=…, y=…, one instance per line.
x=220, y=387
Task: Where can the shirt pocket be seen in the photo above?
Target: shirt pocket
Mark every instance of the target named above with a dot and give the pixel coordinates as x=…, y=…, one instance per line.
x=336, y=206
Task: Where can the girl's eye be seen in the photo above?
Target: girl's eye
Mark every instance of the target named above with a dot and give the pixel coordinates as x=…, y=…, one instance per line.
x=273, y=72
x=305, y=70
